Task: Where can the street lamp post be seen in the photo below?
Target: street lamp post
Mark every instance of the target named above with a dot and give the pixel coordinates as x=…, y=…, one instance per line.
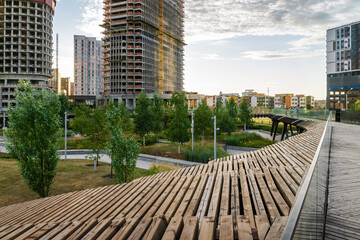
x=65, y=135
x=192, y=130
x=215, y=129
x=346, y=98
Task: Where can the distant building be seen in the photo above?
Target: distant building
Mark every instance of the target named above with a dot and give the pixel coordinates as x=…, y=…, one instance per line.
x=25, y=45
x=310, y=100
x=320, y=104
x=248, y=93
x=210, y=101
x=265, y=101
x=343, y=65
x=65, y=86
x=87, y=66
x=72, y=88
x=224, y=97
x=143, y=48
x=283, y=100
x=194, y=99
x=253, y=102
x=55, y=81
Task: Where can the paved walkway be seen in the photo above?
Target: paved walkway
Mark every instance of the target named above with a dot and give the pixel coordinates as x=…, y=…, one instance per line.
x=343, y=220
x=144, y=161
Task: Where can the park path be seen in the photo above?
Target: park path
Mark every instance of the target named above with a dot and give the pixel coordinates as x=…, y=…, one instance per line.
x=144, y=161
x=343, y=218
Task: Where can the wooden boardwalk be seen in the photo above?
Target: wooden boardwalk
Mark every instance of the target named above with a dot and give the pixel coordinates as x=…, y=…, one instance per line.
x=247, y=196
x=343, y=220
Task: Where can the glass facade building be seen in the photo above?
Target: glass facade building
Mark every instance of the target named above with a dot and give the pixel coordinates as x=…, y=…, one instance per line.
x=343, y=66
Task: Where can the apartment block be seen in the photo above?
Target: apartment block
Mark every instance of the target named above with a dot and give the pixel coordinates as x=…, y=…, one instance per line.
x=143, y=48
x=88, y=66
x=55, y=81
x=283, y=100
x=310, y=100
x=25, y=45
x=65, y=86
x=343, y=65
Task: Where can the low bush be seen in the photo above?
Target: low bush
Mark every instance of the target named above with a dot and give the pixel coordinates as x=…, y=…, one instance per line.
x=149, y=140
x=203, y=153
x=161, y=167
x=252, y=140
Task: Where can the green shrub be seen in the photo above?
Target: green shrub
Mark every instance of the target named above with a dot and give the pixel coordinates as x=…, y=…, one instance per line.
x=247, y=140
x=203, y=153
x=161, y=167
x=149, y=140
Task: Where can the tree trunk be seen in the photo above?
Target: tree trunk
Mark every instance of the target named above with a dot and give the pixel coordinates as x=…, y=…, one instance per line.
x=144, y=141
x=179, y=148
x=244, y=127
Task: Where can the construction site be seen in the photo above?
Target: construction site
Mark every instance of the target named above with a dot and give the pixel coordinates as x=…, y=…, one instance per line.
x=143, y=48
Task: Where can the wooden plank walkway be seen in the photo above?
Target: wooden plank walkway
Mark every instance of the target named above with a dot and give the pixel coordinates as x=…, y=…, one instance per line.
x=247, y=196
x=343, y=220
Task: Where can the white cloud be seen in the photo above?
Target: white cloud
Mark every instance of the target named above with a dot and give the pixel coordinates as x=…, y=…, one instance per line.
x=271, y=55
x=223, y=19
x=91, y=17
x=211, y=56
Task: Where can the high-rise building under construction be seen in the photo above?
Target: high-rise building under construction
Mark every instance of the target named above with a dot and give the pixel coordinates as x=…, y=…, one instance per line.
x=25, y=45
x=143, y=48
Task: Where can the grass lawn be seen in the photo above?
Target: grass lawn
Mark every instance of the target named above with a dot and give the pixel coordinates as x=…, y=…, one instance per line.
x=72, y=175
x=169, y=150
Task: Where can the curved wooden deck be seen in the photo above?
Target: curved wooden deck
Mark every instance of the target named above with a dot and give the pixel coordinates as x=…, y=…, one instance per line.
x=247, y=196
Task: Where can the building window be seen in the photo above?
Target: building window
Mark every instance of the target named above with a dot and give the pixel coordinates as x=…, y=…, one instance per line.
x=342, y=93
x=338, y=56
x=337, y=33
x=342, y=44
x=331, y=92
x=337, y=45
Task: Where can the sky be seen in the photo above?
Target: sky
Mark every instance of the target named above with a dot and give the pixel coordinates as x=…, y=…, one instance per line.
x=233, y=45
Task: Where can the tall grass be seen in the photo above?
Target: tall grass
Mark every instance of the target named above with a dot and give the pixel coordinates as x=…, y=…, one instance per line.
x=202, y=153
x=247, y=140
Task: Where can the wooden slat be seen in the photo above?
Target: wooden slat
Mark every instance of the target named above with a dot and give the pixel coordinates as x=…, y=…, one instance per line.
x=226, y=228
x=262, y=226
x=190, y=229
x=277, y=228
x=207, y=229
x=174, y=229
x=156, y=229
x=244, y=229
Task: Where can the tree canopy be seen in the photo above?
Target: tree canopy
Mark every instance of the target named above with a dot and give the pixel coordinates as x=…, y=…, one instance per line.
x=224, y=121
x=122, y=150
x=64, y=107
x=158, y=112
x=143, y=118
x=34, y=129
x=179, y=125
x=92, y=124
x=232, y=108
x=245, y=113
x=202, y=120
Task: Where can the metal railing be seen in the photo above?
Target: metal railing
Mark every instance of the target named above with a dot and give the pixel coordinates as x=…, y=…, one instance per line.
x=308, y=215
x=352, y=117
x=303, y=113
